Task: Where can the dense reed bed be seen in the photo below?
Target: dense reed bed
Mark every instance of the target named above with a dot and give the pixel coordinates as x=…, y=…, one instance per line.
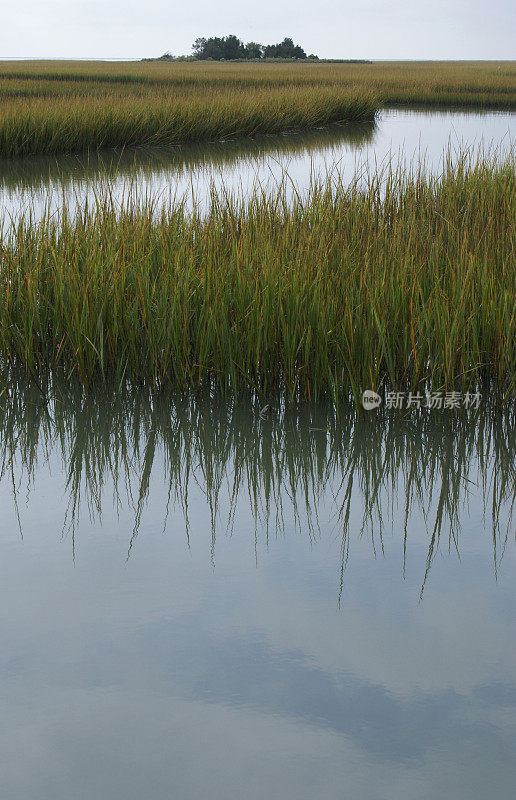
x=75, y=124
x=50, y=107
x=409, y=283
x=491, y=83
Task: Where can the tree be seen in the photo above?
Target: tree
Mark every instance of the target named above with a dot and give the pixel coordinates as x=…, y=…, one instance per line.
x=233, y=47
x=253, y=50
x=216, y=47
x=286, y=49
x=198, y=47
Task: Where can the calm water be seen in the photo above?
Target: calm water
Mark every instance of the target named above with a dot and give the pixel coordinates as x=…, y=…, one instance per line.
x=200, y=602
x=240, y=166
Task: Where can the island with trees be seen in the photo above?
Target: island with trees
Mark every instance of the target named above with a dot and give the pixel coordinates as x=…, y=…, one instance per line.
x=231, y=48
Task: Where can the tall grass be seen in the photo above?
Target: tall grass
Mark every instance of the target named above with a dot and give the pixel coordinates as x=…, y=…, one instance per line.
x=410, y=284
x=74, y=124
x=477, y=83
x=50, y=107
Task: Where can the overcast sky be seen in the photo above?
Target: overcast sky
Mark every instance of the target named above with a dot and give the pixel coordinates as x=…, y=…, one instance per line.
x=404, y=29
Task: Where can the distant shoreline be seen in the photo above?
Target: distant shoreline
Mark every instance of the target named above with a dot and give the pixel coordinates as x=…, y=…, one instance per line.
x=193, y=60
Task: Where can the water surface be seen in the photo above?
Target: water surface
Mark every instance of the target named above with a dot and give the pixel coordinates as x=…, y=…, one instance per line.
x=241, y=166
x=200, y=601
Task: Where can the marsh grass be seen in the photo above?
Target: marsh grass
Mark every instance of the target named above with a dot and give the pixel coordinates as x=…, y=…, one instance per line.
x=491, y=83
x=407, y=282
x=90, y=123
x=56, y=107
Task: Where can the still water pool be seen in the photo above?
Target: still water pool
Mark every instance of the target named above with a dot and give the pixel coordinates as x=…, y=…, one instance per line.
x=202, y=602
x=244, y=166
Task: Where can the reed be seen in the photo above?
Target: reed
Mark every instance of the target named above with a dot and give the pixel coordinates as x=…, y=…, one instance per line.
x=406, y=283
x=477, y=83
x=89, y=123
x=50, y=107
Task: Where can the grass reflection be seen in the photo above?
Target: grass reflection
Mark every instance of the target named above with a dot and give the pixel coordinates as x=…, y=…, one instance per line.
x=64, y=171
x=285, y=465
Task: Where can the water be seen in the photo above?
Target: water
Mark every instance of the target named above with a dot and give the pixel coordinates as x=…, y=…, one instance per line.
x=199, y=601
x=240, y=166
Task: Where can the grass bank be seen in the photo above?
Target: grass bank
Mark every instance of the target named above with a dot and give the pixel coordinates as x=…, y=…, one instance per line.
x=53, y=107
x=409, y=283
x=60, y=125
x=467, y=83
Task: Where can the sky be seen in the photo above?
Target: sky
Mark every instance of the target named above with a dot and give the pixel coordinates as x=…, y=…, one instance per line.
x=376, y=29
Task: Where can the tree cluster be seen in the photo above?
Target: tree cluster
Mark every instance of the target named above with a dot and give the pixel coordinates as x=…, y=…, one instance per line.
x=230, y=48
